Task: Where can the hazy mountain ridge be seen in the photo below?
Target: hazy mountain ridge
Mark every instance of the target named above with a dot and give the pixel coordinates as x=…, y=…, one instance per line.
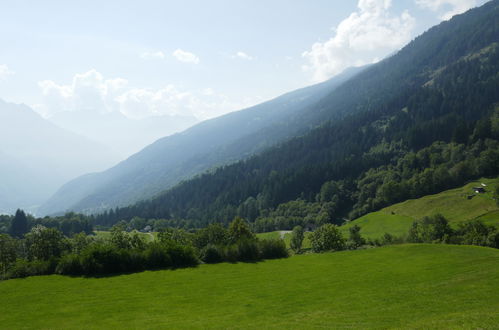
x=38, y=156
x=124, y=135
x=390, y=116
x=180, y=156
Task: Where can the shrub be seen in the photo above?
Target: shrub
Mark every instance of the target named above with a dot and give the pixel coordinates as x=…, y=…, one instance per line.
x=24, y=268
x=327, y=237
x=100, y=259
x=156, y=256
x=476, y=232
x=273, y=248
x=248, y=250
x=355, y=240
x=297, y=239
x=69, y=265
x=429, y=230
x=182, y=255
x=212, y=254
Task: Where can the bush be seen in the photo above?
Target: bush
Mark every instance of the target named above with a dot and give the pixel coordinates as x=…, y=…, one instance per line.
x=476, y=232
x=182, y=255
x=297, y=238
x=429, y=230
x=248, y=250
x=69, y=265
x=24, y=268
x=273, y=248
x=212, y=254
x=242, y=250
x=156, y=256
x=99, y=259
x=326, y=238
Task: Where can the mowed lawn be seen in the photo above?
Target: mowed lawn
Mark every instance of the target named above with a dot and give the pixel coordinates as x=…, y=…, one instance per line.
x=405, y=286
x=452, y=204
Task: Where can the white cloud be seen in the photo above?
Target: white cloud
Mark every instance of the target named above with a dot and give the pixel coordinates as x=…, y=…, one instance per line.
x=244, y=56
x=90, y=91
x=449, y=7
x=186, y=57
x=366, y=35
x=158, y=55
x=5, y=71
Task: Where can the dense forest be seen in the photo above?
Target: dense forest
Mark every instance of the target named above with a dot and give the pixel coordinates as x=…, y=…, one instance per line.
x=422, y=121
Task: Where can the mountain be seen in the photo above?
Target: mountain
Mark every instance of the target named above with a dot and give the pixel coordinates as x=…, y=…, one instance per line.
x=421, y=121
x=172, y=159
x=37, y=157
x=124, y=135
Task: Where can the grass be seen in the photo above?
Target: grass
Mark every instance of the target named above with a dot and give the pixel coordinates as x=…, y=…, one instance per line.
x=453, y=204
x=405, y=286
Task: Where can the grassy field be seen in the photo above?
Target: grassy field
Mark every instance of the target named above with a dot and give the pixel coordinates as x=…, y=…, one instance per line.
x=453, y=204
x=409, y=286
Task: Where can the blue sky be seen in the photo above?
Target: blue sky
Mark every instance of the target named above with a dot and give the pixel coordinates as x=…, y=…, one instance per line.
x=201, y=58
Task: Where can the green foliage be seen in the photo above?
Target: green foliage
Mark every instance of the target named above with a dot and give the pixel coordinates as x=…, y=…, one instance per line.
x=496, y=194
x=8, y=252
x=327, y=238
x=297, y=237
x=211, y=254
x=272, y=248
x=19, y=225
x=213, y=234
x=45, y=243
x=176, y=235
x=24, y=268
x=355, y=240
x=477, y=233
x=429, y=230
x=239, y=230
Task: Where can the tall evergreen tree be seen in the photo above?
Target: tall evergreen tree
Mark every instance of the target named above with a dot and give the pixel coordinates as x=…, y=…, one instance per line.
x=19, y=225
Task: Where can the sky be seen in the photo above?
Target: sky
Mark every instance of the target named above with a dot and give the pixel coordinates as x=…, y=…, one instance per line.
x=193, y=58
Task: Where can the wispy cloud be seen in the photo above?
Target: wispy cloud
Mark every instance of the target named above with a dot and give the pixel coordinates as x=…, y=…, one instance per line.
x=185, y=56
x=155, y=55
x=244, y=56
x=5, y=71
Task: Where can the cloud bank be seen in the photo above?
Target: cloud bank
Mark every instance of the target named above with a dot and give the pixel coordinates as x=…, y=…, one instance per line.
x=366, y=36
x=90, y=91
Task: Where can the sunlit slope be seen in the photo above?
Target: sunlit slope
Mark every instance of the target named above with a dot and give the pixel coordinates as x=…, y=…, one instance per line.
x=454, y=204
x=409, y=286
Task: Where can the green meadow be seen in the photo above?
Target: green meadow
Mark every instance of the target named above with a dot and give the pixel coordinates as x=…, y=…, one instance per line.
x=452, y=204
x=405, y=286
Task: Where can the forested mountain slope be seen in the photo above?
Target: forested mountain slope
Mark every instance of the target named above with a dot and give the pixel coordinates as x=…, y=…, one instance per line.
x=178, y=157
x=419, y=122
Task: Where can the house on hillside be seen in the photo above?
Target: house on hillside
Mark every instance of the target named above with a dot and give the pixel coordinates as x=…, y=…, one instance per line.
x=479, y=190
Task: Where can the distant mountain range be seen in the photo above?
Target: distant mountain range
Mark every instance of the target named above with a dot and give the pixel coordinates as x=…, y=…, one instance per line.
x=346, y=136
x=181, y=156
x=123, y=135
x=421, y=121
x=37, y=157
